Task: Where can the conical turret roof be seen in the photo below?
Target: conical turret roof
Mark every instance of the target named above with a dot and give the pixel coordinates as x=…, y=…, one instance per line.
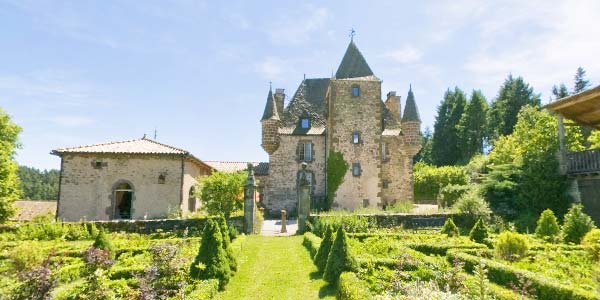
x=353, y=64
x=411, y=113
x=270, y=108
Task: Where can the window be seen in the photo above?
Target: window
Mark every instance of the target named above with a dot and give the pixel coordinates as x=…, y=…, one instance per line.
x=305, y=151
x=355, y=138
x=305, y=123
x=98, y=164
x=162, y=178
x=386, y=184
x=356, y=169
x=384, y=151
x=355, y=91
x=365, y=202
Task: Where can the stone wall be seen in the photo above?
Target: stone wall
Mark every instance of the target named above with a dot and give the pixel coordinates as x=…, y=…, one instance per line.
x=280, y=191
x=190, y=175
x=362, y=114
x=86, y=191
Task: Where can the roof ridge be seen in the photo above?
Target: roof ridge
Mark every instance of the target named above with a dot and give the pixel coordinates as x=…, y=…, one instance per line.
x=165, y=145
x=100, y=144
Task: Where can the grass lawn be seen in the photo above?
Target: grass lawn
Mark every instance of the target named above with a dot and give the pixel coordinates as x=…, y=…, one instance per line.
x=275, y=268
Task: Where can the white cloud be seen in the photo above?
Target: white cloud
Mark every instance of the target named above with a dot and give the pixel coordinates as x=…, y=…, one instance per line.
x=272, y=67
x=404, y=55
x=297, y=28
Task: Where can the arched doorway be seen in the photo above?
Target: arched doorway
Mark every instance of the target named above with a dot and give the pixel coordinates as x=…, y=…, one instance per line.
x=123, y=193
x=192, y=199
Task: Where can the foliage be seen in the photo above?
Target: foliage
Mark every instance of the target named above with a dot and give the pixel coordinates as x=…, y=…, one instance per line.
x=102, y=242
x=9, y=180
x=472, y=206
x=222, y=193
x=428, y=180
x=576, y=224
x=339, y=259
x=513, y=95
x=449, y=194
x=547, y=226
x=511, y=246
x=97, y=263
x=23, y=258
x=581, y=84
x=37, y=184
x=424, y=155
x=591, y=242
x=324, y=249
x=479, y=290
x=211, y=261
x=37, y=283
x=166, y=277
x=312, y=244
x=351, y=223
x=445, y=147
x=227, y=243
x=450, y=228
x=43, y=227
x=479, y=232
x=472, y=127
x=336, y=170
x=351, y=288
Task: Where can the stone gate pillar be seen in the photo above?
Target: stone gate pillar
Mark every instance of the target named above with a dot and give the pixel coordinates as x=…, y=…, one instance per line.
x=249, y=201
x=303, y=199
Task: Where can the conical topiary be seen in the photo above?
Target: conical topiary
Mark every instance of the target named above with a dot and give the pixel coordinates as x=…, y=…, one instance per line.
x=103, y=242
x=227, y=244
x=324, y=248
x=547, y=226
x=211, y=261
x=339, y=259
x=479, y=232
x=450, y=228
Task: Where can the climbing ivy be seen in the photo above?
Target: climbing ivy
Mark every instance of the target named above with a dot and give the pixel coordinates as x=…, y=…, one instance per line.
x=336, y=170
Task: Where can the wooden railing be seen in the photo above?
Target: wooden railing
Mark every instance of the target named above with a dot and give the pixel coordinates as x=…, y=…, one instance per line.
x=583, y=162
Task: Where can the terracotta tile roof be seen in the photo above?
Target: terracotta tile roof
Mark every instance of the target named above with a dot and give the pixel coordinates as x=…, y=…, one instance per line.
x=27, y=209
x=260, y=168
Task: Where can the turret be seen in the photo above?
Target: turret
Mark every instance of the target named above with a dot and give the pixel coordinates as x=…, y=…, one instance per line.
x=270, y=124
x=411, y=122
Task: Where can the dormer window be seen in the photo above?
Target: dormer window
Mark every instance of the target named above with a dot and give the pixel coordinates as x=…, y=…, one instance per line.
x=305, y=123
x=355, y=91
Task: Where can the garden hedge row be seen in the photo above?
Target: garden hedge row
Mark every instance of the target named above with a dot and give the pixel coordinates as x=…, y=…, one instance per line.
x=352, y=288
x=441, y=250
x=312, y=243
x=505, y=275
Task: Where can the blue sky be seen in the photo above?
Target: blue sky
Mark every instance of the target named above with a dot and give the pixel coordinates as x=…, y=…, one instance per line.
x=84, y=72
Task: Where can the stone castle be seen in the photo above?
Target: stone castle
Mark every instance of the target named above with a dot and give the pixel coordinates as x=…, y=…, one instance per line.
x=343, y=115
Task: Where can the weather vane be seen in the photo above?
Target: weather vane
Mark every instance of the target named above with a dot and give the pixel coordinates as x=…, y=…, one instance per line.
x=352, y=33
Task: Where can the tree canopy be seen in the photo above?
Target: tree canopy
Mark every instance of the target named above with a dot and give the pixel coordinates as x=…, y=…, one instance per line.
x=37, y=184
x=222, y=193
x=445, y=147
x=472, y=127
x=9, y=181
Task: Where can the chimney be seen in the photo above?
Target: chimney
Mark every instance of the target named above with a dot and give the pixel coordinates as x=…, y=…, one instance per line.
x=279, y=100
x=393, y=104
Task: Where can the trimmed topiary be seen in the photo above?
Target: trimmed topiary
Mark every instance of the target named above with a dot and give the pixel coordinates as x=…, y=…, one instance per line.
x=339, y=259
x=103, y=242
x=576, y=225
x=227, y=244
x=591, y=243
x=479, y=232
x=324, y=248
x=211, y=261
x=547, y=226
x=450, y=228
x=511, y=246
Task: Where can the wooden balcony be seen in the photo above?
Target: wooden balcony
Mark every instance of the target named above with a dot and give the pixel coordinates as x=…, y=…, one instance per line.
x=583, y=162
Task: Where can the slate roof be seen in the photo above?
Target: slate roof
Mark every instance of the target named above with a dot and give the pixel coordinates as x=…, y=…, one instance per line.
x=308, y=101
x=410, y=109
x=260, y=168
x=136, y=146
x=270, y=108
x=353, y=64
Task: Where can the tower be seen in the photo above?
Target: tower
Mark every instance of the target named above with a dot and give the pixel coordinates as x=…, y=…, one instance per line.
x=411, y=124
x=270, y=122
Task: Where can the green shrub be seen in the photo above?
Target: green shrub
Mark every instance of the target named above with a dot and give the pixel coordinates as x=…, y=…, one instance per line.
x=23, y=257
x=233, y=233
x=204, y=290
x=336, y=170
x=312, y=243
x=449, y=194
x=428, y=180
x=324, y=248
x=103, y=242
x=547, y=226
x=227, y=243
x=450, y=228
x=339, y=259
x=352, y=288
x=511, y=246
x=472, y=206
x=479, y=232
x=211, y=261
x=576, y=225
x=591, y=242
x=351, y=223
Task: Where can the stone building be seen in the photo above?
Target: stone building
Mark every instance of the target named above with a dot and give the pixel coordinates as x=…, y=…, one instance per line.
x=342, y=114
x=133, y=179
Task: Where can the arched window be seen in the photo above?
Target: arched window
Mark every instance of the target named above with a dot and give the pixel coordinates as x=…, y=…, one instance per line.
x=192, y=199
x=123, y=198
x=355, y=91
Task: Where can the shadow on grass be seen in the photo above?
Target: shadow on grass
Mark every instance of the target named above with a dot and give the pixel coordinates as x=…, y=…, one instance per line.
x=327, y=290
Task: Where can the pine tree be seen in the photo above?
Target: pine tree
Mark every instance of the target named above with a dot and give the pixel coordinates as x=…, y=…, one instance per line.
x=227, y=243
x=581, y=84
x=445, y=148
x=424, y=154
x=547, y=226
x=472, y=127
x=103, y=242
x=324, y=248
x=211, y=261
x=513, y=95
x=339, y=259
x=560, y=91
x=450, y=228
x=479, y=232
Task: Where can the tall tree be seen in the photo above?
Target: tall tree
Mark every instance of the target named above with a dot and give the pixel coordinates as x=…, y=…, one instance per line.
x=39, y=185
x=9, y=181
x=513, y=95
x=472, y=127
x=560, y=91
x=424, y=154
x=581, y=84
x=445, y=148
